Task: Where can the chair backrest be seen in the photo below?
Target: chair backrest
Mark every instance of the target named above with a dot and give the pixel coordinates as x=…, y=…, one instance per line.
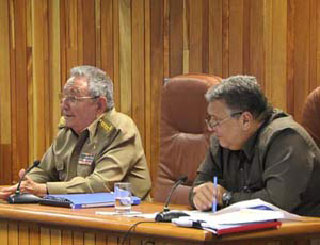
x=184, y=138
x=311, y=115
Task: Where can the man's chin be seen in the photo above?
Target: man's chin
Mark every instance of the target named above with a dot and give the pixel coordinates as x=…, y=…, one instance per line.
x=229, y=147
x=225, y=145
x=222, y=144
x=69, y=123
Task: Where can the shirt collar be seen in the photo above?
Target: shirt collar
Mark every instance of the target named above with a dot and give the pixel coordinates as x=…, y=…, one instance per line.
x=249, y=146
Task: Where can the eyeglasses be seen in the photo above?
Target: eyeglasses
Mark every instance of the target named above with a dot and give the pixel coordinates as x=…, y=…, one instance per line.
x=211, y=123
x=75, y=99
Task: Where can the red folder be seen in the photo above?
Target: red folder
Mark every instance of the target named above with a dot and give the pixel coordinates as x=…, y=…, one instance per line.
x=249, y=227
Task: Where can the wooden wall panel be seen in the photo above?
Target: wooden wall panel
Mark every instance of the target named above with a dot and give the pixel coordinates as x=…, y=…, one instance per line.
x=186, y=39
x=66, y=237
x=72, y=26
x=301, y=56
x=176, y=37
x=34, y=235
x=89, y=31
x=246, y=36
x=106, y=34
x=317, y=34
x=54, y=68
x=125, y=55
x=20, y=84
x=13, y=233
x=235, y=36
x=196, y=29
x=39, y=89
x=97, y=33
x=55, y=236
x=23, y=230
x=205, y=36
x=45, y=236
x=225, y=38
x=5, y=95
x=215, y=37
x=156, y=78
x=139, y=43
x=148, y=139
x=116, y=82
x=4, y=230
x=166, y=38
x=138, y=90
x=290, y=57
x=257, y=59
x=276, y=58
x=313, y=43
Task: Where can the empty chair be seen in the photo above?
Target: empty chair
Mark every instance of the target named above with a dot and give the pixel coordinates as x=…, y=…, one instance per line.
x=311, y=115
x=184, y=138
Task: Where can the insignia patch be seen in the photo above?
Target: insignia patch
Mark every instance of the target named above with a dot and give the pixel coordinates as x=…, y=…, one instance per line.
x=106, y=126
x=86, y=158
x=62, y=122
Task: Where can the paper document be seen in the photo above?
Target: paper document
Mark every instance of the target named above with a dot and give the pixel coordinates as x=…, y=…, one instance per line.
x=259, y=204
x=242, y=216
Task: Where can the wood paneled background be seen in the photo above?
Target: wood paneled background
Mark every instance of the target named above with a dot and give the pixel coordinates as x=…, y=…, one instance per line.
x=140, y=42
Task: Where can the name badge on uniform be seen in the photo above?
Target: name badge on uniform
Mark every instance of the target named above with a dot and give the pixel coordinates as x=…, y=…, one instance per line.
x=86, y=158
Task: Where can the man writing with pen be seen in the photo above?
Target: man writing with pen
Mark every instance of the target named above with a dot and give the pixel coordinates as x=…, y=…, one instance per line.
x=256, y=152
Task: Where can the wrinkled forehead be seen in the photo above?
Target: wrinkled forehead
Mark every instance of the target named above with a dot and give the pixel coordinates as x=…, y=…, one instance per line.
x=75, y=86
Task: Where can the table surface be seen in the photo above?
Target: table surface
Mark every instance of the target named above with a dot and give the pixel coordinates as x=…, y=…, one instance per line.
x=88, y=219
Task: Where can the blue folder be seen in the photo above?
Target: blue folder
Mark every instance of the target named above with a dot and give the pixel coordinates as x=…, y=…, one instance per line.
x=77, y=201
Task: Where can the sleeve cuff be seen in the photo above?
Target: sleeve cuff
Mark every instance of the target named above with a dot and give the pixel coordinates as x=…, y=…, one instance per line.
x=56, y=188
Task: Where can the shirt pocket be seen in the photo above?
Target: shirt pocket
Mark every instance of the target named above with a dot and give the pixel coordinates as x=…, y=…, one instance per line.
x=84, y=170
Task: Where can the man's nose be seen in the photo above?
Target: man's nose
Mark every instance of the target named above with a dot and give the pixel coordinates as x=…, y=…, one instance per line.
x=64, y=104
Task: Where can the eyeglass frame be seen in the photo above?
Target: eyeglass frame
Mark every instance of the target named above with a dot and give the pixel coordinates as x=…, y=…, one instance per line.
x=216, y=123
x=75, y=99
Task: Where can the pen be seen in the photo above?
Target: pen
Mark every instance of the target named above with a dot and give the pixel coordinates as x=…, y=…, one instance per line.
x=215, y=190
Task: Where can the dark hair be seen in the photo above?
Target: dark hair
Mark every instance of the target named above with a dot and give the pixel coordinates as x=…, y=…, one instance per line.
x=241, y=93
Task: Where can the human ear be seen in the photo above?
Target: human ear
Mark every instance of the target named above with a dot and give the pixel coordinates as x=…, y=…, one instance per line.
x=102, y=104
x=246, y=119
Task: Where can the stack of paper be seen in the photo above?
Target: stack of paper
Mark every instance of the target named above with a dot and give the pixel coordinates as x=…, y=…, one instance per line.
x=242, y=216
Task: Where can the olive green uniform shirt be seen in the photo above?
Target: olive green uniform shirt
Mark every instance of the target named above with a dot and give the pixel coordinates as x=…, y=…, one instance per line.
x=108, y=151
x=280, y=164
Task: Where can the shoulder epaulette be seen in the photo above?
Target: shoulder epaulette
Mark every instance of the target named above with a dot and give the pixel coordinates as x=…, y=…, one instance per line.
x=105, y=124
x=62, y=122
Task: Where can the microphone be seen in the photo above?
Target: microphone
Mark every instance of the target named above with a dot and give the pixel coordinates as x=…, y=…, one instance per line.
x=182, y=179
x=19, y=197
x=166, y=215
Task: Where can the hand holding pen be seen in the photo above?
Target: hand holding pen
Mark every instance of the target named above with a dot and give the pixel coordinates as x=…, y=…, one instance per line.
x=203, y=195
x=214, y=207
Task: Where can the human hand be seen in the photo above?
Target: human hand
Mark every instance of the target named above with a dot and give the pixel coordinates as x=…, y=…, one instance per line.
x=6, y=191
x=32, y=187
x=22, y=172
x=203, y=195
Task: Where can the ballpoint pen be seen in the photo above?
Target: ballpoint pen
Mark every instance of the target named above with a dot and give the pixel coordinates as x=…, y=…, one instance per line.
x=215, y=194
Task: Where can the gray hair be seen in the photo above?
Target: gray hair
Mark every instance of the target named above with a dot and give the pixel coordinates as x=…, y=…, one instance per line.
x=241, y=93
x=99, y=82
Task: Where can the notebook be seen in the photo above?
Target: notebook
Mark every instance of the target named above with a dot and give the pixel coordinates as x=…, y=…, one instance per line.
x=77, y=201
